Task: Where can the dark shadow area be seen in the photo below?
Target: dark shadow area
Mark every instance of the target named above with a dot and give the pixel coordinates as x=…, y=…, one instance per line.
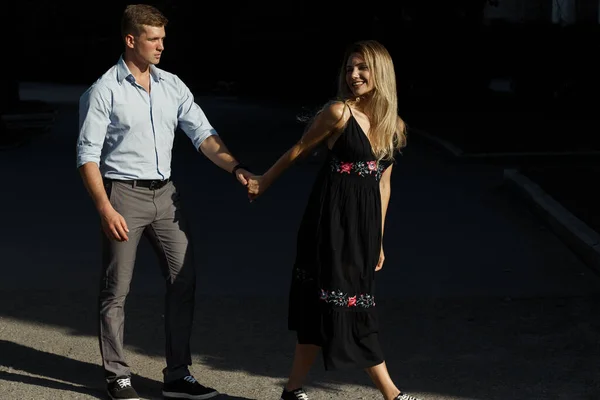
x=569, y=185
x=450, y=61
x=513, y=87
x=76, y=376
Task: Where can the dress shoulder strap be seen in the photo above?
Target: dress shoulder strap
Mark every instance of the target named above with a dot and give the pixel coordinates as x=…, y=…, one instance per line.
x=349, y=108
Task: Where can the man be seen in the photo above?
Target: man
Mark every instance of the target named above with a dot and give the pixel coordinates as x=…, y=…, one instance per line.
x=127, y=123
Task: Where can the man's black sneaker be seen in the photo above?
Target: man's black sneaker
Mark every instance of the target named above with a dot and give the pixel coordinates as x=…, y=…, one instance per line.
x=121, y=389
x=187, y=388
x=297, y=394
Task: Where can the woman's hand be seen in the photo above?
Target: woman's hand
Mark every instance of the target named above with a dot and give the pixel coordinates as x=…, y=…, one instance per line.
x=381, y=260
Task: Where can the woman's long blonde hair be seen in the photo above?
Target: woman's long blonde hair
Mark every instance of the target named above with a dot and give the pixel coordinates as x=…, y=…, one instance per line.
x=388, y=131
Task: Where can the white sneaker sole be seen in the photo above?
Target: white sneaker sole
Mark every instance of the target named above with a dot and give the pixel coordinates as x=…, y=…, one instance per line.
x=175, y=395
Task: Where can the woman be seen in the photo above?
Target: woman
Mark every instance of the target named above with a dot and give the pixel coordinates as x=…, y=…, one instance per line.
x=339, y=244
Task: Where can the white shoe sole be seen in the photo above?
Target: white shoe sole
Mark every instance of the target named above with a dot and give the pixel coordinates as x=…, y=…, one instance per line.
x=175, y=395
x=129, y=398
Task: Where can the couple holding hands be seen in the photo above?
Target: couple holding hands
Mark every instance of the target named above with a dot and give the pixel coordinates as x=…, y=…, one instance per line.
x=127, y=123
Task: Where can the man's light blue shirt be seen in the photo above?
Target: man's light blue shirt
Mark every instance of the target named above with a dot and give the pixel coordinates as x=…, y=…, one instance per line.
x=128, y=132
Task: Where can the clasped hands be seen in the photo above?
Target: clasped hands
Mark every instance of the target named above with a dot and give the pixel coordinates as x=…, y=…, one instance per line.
x=253, y=183
x=255, y=187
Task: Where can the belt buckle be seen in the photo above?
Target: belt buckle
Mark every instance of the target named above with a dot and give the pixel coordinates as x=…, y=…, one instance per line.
x=153, y=185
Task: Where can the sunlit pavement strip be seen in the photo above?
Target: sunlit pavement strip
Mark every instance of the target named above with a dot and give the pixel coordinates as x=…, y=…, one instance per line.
x=47, y=342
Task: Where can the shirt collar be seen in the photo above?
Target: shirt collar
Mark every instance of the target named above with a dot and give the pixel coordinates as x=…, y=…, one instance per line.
x=124, y=73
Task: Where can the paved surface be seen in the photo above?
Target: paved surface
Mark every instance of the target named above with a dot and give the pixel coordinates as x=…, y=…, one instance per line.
x=574, y=232
x=477, y=299
x=581, y=238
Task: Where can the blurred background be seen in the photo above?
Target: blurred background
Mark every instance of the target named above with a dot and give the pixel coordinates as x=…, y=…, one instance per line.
x=492, y=77
x=470, y=58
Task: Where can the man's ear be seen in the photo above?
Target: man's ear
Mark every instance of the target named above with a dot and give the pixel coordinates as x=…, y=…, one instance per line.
x=129, y=40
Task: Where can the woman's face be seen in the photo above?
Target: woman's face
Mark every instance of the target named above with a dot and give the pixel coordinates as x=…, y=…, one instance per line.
x=358, y=75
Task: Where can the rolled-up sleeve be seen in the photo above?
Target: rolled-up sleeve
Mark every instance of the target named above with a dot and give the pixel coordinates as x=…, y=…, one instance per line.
x=191, y=117
x=94, y=118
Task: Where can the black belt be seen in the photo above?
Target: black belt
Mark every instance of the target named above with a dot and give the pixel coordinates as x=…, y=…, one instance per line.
x=151, y=184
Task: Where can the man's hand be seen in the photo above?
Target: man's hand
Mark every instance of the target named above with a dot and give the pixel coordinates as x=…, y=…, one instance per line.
x=243, y=176
x=381, y=260
x=114, y=225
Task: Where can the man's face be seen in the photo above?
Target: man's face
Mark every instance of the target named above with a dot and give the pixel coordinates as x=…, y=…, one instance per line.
x=149, y=45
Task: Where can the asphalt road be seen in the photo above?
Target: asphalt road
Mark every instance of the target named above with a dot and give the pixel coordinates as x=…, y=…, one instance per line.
x=477, y=299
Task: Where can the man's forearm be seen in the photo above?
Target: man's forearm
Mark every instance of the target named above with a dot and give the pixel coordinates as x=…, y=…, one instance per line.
x=92, y=179
x=216, y=151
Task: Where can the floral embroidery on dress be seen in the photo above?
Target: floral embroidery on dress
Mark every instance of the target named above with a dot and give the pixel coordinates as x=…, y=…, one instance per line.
x=361, y=168
x=341, y=299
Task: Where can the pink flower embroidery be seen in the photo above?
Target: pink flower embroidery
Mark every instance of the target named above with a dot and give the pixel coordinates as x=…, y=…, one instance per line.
x=346, y=167
x=352, y=301
x=372, y=165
